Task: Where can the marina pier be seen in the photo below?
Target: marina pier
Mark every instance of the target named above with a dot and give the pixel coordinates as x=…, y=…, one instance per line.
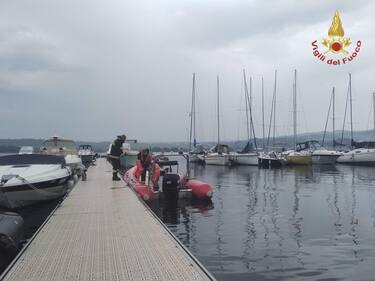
x=102, y=231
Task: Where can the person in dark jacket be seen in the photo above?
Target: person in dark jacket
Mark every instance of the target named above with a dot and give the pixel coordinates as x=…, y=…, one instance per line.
x=114, y=156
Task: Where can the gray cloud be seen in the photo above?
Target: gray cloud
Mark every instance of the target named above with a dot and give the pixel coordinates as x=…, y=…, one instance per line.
x=93, y=69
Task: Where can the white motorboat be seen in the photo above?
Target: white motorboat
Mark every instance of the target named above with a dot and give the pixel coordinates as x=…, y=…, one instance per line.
x=66, y=148
x=218, y=155
x=324, y=157
x=358, y=156
x=311, y=152
x=27, y=179
x=87, y=155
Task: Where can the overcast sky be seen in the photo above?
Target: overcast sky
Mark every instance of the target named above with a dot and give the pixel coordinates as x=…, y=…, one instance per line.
x=90, y=70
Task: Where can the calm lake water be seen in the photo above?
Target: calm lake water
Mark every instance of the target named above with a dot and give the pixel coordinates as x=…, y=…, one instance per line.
x=302, y=223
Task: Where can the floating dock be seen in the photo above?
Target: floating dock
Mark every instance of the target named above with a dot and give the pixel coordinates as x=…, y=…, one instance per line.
x=103, y=232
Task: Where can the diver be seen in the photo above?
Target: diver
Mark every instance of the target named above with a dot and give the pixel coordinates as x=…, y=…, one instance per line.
x=114, y=156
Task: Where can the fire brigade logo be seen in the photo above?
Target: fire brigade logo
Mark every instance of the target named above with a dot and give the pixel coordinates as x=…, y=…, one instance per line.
x=336, y=44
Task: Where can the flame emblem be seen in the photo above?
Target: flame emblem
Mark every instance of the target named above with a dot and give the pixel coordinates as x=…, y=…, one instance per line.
x=336, y=42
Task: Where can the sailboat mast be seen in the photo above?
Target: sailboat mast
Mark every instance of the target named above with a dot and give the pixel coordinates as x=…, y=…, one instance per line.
x=333, y=117
x=351, y=108
x=295, y=109
x=274, y=111
x=250, y=105
x=373, y=104
x=191, y=112
x=218, y=110
x=247, y=106
x=264, y=136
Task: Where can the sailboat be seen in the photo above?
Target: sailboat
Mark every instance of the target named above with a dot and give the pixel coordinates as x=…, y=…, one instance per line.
x=321, y=155
x=300, y=155
x=362, y=153
x=219, y=154
x=196, y=151
x=268, y=158
x=247, y=156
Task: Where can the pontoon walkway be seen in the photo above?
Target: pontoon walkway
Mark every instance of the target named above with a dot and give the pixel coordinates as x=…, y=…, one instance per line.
x=101, y=232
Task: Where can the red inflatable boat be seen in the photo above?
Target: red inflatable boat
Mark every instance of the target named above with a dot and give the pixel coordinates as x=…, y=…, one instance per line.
x=199, y=190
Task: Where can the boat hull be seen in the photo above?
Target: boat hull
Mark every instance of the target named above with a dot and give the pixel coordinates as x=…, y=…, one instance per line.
x=22, y=195
x=358, y=157
x=217, y=159
x=250, y=159
x=299, y=159
x=324, y=159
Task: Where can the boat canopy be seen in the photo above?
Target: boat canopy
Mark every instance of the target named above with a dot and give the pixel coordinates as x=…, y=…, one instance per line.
x=220, y=148
x=312, y=145
x=31, y=159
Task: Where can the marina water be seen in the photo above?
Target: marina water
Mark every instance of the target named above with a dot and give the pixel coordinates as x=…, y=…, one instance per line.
x=295, y=223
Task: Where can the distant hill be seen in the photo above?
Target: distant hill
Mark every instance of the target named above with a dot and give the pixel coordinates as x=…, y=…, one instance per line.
x=13, y=145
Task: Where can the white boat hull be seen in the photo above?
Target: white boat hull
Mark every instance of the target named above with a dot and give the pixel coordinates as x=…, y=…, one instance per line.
x=32, y=184
x=250, y=159
x=217, y=159
x=359, y=156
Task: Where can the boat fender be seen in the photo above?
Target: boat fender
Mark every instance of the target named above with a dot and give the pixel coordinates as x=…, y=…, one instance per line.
x=199, y=189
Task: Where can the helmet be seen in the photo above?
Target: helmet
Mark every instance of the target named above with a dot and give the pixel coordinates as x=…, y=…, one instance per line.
x=121, y=137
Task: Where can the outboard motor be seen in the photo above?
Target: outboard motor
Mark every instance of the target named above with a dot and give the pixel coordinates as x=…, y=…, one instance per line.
x=170, y=186
x=11, y=233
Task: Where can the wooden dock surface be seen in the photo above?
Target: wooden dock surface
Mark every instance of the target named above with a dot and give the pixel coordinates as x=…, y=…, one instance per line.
x=102, y=232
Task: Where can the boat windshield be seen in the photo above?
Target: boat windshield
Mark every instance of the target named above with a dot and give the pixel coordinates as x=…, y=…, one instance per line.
x=58, y=146
x=26, y=150
x=315, y=145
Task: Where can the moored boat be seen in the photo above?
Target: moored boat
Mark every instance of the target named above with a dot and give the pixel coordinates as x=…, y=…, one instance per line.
x=27, y=179
x=218, y=155
x=66, y=148
x=271, y=160
x=358, y=156
x=173, y=184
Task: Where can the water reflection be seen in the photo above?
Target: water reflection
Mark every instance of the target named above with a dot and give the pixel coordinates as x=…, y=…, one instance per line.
x=310, y=223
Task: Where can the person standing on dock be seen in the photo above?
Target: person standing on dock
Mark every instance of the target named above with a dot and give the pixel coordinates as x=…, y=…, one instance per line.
x=114, y=156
